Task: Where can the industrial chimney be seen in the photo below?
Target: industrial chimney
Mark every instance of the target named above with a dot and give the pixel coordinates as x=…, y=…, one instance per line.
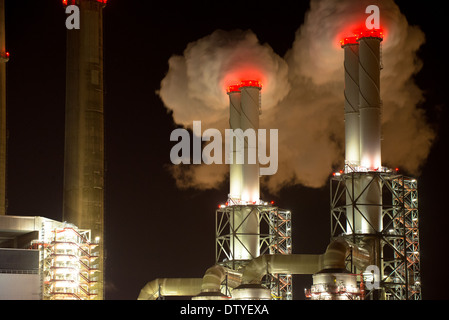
x=83, y=194
x=4, y=57
x=244, y=100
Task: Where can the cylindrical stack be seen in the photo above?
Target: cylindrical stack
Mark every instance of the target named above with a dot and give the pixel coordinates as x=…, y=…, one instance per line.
x=352, y=121
x=370, y=103
x=3, y=60
x=235, y=169
x=244, y=178
x=83, y=197
x=249, y=120
x=370, y=130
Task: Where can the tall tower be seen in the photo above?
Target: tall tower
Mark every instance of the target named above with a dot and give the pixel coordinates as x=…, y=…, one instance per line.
x=244, y=169
x=4, y=56
x=374, y=207
x=83, y=194
x=247, y=227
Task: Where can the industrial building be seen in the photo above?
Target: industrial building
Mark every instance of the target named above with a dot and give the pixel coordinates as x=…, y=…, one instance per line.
x=47, y=259
x=43, y=259
x=374, y=250
x=374, y=242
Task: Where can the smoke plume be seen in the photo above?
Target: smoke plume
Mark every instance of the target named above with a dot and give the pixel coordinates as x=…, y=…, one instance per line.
x=302, y=94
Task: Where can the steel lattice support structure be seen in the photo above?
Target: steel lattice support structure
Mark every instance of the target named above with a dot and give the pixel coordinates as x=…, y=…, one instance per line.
x=68, y=263
x=403, y=272
x=274, y=238
x=398, y=250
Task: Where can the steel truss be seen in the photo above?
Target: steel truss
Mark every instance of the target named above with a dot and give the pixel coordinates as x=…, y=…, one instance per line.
x=399, y=238
x=69, y=270
x=274, y=238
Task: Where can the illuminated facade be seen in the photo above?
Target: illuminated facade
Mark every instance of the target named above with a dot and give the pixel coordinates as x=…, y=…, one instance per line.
x=44, y=259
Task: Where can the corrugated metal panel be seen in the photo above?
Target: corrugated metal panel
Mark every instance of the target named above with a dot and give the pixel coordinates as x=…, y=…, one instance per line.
x=19, y=259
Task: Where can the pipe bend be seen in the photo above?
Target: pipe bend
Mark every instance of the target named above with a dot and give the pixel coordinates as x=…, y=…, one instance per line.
x=170, y=287
x=215, y=275
x=339, y=249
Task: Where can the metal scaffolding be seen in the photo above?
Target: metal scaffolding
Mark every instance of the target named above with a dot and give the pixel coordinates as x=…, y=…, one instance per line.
x=69, y=266
x=399, y=254
x=274, y=238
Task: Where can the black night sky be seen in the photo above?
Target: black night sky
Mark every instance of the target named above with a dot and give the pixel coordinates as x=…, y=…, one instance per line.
x=154, y=230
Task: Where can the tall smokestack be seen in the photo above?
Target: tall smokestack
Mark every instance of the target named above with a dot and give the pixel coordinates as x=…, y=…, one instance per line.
x=244, y=100
x=83, y=198
x=352, y=121
x=4, y=56
x=363, y=131
x=370, y=103
x=370, y=129
x=250, y=102
x=352, y=115
x=235, y=169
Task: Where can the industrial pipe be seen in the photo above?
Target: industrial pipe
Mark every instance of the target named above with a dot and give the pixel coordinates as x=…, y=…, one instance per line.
x=333, y=258
x=170, y=287
x=213, y=278
x=215, y=275
x=208, y=286
x=339, y=249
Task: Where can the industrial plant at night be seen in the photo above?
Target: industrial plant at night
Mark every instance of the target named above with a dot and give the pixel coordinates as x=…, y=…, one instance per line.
x=65, y=260
x=338, y=220
x=252, y=264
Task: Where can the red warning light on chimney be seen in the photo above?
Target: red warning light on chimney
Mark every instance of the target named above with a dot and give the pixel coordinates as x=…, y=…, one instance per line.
x=244, y=83
x=348, y=41
x=372, y=33
x=73, y=2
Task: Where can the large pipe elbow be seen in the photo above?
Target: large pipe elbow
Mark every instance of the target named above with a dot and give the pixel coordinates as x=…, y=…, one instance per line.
x=339, y=249
x=170, y=287
x=212, y=279
x=280, y=264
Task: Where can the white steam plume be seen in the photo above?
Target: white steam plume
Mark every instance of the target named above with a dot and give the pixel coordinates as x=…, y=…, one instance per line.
x=302, y=93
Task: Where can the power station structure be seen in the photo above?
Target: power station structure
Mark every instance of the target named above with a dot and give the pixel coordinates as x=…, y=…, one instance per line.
x=43, y=258
x=374, y=249
x=372, y=206
x=374, y=252
x=247, y=227
x=83, y=191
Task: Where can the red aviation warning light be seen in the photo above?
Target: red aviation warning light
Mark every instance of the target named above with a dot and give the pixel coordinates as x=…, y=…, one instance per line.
x=73, y=2
x=4, y=56
x=251, y=83
x=366, y=33
x=233, y=88
x=372, y=33
x=349, y=41
x=244, y=83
